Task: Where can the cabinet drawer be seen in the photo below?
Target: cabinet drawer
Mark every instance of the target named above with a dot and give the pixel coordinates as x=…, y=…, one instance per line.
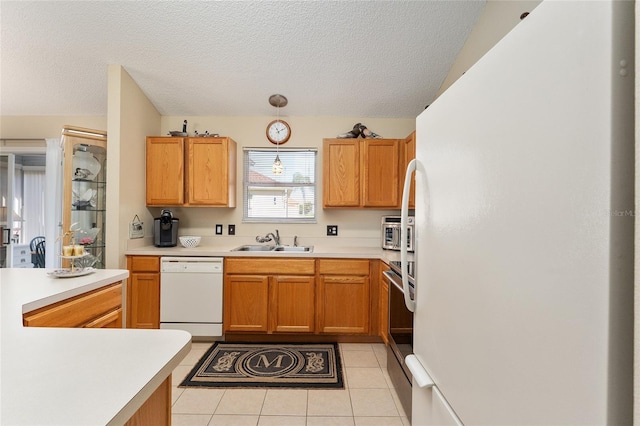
x=269, y=265
x=21, y=256
x=21, y=251
x=111, y=319
x=343, y=266
x=144, y=264
x=77, y=311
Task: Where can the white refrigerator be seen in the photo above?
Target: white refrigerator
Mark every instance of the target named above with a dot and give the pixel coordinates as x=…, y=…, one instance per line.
x=524, y=228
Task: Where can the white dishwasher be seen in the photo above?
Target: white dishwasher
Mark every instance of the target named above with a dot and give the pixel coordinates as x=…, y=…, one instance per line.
x=191, y=295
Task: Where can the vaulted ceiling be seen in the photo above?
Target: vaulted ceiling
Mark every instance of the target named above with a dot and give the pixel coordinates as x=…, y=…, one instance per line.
x=329, y=58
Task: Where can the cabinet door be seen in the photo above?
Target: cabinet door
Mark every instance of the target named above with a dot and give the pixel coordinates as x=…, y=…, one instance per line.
x=208, y=171
x=292, y=304
x=344, y=304
x=341, y=173
x=143, y=303
x=246, y=300
x=381, y=172
x=165, y=171
x=409, y=154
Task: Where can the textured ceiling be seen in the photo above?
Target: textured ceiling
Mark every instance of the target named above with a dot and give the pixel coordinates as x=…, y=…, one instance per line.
x=330, y=58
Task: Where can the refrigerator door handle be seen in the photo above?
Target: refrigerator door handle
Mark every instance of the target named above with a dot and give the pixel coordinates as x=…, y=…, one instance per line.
x=420, y=375
x=404, y=217
x=423, y=380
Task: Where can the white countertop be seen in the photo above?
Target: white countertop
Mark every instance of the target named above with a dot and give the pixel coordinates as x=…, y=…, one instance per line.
x=75, y=376
x=224, y=250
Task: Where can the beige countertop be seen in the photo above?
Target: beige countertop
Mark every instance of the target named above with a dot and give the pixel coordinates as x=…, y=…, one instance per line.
x=225, y=250
x=75, y=376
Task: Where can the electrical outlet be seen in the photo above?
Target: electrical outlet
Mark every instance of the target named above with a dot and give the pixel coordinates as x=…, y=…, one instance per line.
x=219, y=229
x=332, y=230
x=231, y=230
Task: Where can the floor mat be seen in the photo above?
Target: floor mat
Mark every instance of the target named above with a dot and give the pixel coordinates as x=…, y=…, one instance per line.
x=261, y=365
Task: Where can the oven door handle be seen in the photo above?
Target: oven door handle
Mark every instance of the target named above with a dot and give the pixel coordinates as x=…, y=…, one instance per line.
x=393, y=279
x=404, y=218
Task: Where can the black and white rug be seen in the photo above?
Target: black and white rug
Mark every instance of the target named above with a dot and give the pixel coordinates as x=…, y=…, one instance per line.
x=260, y=365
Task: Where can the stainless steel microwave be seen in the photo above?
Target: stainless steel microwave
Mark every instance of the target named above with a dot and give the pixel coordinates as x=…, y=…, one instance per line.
x=391, y=233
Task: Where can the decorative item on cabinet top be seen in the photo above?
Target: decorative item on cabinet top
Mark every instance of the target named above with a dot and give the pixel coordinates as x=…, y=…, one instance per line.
x=182, y=133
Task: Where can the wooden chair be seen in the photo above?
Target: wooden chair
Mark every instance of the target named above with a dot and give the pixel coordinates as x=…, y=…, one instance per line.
x=39, y=255
x=32, y=246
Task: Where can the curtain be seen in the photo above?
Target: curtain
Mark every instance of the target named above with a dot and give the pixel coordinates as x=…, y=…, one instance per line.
x=53, y=202
x=33, y=190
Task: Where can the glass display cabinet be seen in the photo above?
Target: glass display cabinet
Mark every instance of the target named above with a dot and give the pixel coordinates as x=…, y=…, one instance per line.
x=84, y=203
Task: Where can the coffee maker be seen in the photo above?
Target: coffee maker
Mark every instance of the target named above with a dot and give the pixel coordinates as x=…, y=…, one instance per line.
x=165, y=230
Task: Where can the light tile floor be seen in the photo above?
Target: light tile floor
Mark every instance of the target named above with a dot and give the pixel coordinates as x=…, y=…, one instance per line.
x=368, y=398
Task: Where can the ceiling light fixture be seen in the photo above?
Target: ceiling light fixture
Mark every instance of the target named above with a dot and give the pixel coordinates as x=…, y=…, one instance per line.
x=277, y=101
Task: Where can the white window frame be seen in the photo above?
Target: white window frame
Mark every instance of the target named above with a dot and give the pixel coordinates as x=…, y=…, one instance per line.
x=274, y=183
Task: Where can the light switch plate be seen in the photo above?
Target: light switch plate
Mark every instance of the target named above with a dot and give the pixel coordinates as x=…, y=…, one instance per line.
x=332, y=230
x=219, y=229
x=231, y=230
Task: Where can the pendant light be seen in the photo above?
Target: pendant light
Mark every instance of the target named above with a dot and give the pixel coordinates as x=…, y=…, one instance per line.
x=277, y=101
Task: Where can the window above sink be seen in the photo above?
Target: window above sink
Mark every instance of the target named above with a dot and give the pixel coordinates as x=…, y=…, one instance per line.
x=289, y=197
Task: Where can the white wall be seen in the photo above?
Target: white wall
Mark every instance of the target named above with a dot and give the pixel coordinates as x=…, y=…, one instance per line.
x=497, y=19
x=131, y=117
x=305, y=132
x=45, y=126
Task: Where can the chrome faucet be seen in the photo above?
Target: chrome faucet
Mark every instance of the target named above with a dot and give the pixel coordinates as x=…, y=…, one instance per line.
x=270, y=237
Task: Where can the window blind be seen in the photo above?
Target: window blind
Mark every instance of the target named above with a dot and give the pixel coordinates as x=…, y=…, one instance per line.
x=289, y=197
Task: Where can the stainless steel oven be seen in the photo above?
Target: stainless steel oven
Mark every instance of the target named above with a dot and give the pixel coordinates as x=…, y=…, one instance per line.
x=400, y=333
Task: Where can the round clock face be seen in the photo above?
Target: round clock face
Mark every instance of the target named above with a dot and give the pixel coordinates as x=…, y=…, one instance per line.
x=278, y=132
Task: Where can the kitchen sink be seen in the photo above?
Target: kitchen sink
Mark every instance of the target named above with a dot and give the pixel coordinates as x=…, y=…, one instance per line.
x=294, y=249
x=254, y=248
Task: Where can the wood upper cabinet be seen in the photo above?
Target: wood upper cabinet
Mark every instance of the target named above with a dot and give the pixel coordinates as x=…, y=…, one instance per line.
x=100, y=308
x=143, y=292
x=409, y=153
x=341, y=173
x=165, y=171
x=266, y=295
x=361, y=173
x=191, y=171
x=211, y=172
x=343, y=296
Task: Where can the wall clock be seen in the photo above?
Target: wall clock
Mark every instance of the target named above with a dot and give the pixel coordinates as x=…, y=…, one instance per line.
x=278, y=132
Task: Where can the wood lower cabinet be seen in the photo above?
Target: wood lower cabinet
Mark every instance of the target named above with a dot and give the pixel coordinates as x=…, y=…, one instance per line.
x=143, y=292
x=246, y=303
x=99, y=308
x=343, y=296
x=292, y=304
x=156, y=410
x=266, y=295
